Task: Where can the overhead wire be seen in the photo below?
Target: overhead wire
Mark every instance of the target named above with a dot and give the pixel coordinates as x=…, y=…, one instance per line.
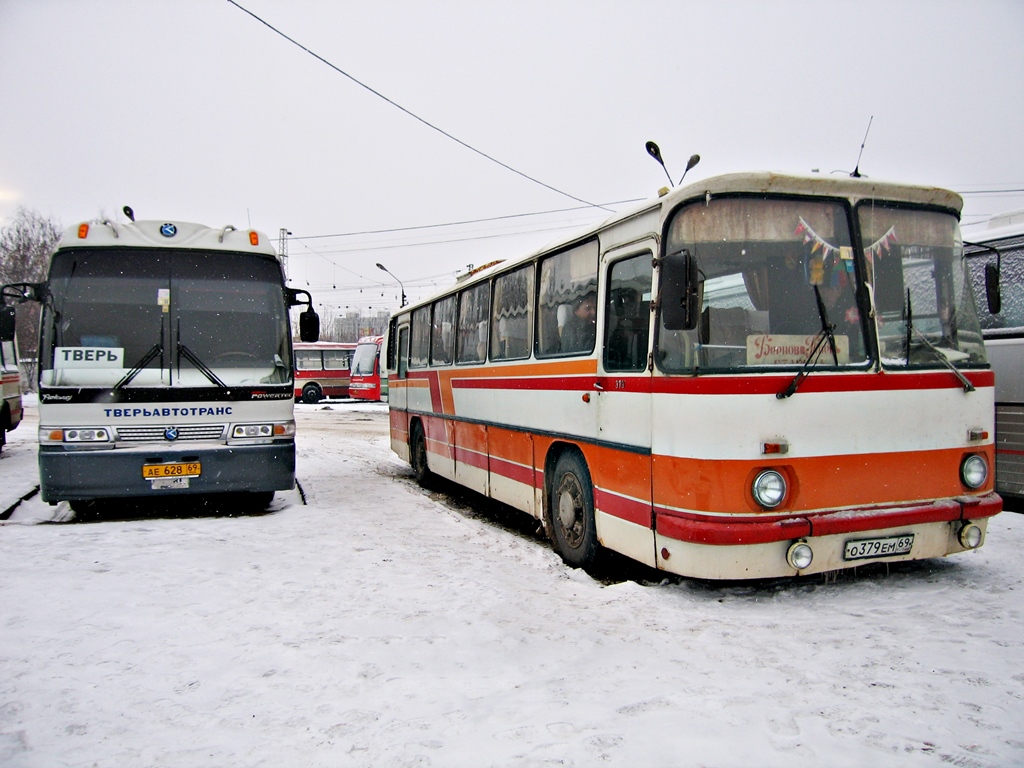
x=466, y=221
x=412, y=114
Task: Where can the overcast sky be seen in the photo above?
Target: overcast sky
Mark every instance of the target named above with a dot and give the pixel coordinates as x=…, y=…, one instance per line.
x=193, y=110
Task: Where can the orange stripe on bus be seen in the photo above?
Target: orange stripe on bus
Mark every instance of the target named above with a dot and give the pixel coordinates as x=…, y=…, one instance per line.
x=819, y=482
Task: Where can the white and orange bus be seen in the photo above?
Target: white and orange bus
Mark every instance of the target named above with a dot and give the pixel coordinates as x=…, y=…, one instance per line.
x=367, y=381
x=754, y=375
x=322, y=369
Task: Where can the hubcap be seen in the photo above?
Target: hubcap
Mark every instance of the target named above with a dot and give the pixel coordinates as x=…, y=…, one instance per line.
x=570, y=510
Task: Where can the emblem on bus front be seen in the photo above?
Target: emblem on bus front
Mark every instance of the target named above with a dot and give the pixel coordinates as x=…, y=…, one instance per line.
x=171, y=433
x=168, y=230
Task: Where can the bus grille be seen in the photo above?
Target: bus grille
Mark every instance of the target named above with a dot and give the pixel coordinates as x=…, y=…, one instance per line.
x=150, y=434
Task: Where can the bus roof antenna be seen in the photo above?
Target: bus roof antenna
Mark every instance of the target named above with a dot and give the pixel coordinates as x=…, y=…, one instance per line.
x=655, y=152
x=129, y=212
x=856, y=168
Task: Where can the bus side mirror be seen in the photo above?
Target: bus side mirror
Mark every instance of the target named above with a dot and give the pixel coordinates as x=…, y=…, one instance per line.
x=19, y=293
x=7, y=323
x=992, y=292
x=309, y=325
x=680, y=291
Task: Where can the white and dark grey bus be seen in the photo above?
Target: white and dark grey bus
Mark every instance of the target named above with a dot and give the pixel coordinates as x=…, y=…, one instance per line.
x=165, y=363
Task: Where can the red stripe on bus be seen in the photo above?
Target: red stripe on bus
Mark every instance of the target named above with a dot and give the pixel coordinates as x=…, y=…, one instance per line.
x=471, y=458
x=432, y=380
x=512, y=471
x=767, y=384
x=622, y=507
x=730, y=531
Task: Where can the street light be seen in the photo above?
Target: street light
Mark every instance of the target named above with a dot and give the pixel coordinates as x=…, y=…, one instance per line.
x=381, y=266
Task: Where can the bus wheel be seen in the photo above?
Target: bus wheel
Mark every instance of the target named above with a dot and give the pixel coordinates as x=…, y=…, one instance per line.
x=572, y=511
x=311, y=394
x=418, y=455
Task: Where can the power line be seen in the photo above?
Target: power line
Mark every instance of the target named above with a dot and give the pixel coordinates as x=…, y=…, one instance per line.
x=467, y=221
x=368, y=248
x=413, y=114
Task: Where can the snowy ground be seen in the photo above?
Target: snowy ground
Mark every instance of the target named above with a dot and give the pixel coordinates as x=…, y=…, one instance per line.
x=382, y=625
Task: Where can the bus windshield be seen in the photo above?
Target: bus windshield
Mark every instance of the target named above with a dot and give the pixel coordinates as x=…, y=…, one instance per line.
x=365, y=359
x=776, y=274
x=123, y=318
x=923, y=294
x=780, y=277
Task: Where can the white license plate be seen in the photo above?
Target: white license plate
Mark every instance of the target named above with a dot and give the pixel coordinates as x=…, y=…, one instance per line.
x=157, y=483
x=890, y=546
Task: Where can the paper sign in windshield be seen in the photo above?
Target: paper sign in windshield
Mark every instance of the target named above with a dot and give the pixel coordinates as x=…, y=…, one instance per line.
x=792, y=349
x=89, y=357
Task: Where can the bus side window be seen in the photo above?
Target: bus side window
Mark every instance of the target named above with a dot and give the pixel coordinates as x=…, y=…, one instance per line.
x=441, y=346
x=337, y=359
x=419, y=347
x=567, y=301
x=474, y=305
x=307, y=360
x=403, y=351
x=512, y=314
x=628, y=314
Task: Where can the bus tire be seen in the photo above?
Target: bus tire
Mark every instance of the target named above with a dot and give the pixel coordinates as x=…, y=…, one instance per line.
x=572, y=511
x=5, y=423
x=418, y=455
x=311, y=394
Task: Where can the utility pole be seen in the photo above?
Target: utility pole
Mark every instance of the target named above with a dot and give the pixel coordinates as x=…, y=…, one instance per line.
x=282, y=249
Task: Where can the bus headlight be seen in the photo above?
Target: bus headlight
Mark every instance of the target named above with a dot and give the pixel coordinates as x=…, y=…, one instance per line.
x=769, y=488
x=800, y=555
x=253, y=431
x=974, y=471
x=969, y=536
x=76, y=435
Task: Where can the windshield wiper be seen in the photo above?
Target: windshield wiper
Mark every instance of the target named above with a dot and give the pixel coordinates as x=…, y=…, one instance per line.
x=812, y=359
x=204, y=369
x=964, y=381
x=156, y=349
x=826, y=327
x=827, y=333
x=936, y=352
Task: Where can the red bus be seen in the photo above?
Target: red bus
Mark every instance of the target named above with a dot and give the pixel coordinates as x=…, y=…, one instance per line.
x=366, y=380
x=322, y=370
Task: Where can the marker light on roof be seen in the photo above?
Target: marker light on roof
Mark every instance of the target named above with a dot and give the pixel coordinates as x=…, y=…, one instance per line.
x=254, y=237
x=83, y=231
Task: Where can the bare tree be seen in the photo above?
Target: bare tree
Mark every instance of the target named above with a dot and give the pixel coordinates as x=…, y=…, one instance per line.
x=25, y=247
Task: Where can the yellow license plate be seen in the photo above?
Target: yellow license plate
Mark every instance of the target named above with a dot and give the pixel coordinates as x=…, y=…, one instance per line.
x=189, y=469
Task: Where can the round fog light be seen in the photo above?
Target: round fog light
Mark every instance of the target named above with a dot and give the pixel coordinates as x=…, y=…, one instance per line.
x=970, y=536
x=974, y=471
x=769, y=488
x=800, y=555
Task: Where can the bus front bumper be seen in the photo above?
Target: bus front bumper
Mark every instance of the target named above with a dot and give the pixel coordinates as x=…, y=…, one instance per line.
x=81, y=475
x=758, y=549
